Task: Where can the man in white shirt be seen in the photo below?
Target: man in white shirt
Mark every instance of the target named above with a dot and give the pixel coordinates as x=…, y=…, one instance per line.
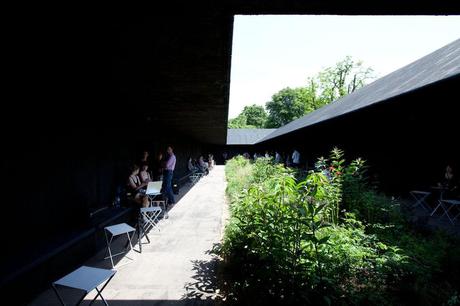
x=295, y=159
x=277, y=158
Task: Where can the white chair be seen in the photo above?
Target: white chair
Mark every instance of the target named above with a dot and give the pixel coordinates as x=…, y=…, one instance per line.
x=149, y=217
x=85, y=279
x=116, y=230
x=446, y=206
x=420, y=199
x=194, y=178
x=160, y=203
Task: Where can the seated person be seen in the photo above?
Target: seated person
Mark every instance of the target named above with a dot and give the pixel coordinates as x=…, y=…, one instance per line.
x=203, y=165
x=210, y=161
x=144, y=174
x=191, y=167
x=448, y=182
x=137, y=188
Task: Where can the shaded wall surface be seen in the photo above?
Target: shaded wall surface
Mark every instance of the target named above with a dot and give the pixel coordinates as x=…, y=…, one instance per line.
x=407, y=141
x=56, y=188
x=95, y=91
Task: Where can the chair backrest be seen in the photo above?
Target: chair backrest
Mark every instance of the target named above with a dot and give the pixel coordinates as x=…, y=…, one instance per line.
x=157, y=203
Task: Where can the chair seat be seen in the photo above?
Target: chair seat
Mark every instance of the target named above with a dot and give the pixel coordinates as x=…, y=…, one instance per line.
x=151, y=209
x=452, y=202
x=420, y=192
x=119, y=229
x=85, y=278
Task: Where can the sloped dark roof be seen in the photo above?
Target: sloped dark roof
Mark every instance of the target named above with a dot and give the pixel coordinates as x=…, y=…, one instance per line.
x=436, y=66
x=246, y=136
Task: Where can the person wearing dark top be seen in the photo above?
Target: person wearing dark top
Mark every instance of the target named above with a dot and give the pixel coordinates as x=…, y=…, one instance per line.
x=448, y=182
x=157, y=167
x=137, y=188
x=144, y=157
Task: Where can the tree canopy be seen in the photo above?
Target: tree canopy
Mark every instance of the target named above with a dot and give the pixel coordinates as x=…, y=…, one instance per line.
x=253, y=116
x=289, y=104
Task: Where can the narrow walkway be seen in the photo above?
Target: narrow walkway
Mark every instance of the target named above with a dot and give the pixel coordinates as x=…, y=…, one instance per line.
x=176, y=267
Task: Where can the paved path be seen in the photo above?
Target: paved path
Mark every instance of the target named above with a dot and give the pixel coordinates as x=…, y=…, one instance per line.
x=175, y=268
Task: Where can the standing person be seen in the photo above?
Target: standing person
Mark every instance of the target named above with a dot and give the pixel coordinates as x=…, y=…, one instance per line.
x=145, y=157
x=295, y=159
x=158, y=166
x=168, y=175
x=277, y=157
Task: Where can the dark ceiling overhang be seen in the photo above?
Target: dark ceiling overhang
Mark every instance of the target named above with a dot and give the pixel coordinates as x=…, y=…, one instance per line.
x=175, y=71
x=167, y=69
x=177, y=64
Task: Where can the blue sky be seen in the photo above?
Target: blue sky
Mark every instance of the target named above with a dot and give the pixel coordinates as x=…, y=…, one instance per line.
x=273, y=52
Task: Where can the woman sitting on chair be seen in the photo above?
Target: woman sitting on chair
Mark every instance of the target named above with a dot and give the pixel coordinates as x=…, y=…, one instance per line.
x=448, y=182
x=144, y=174
x=137, y=188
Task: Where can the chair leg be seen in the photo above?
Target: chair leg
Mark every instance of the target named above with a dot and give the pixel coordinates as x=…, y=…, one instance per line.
x=456, y=216
x=58, y=295
x=108, y=247
x=439, y=204
x=130, y=244
x=448, y=216
x=99, y=292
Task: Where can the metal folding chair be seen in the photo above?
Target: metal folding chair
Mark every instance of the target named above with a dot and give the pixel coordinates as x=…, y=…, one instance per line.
x=149, y=217
x=116, y=230
x=194, y=178
x=85, y=279
x=159, y=204
x=420, y=199
x=446, y=206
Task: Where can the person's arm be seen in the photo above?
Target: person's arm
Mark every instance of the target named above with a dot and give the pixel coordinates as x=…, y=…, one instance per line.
x=134, y=186
x=144, y=177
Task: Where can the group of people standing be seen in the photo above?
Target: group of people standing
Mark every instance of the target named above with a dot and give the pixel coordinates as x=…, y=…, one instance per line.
x=162, y=169
x=290, y=160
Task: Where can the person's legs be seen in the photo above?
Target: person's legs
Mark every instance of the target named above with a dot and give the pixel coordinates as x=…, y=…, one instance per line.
x=145, y=201
x=168, y=187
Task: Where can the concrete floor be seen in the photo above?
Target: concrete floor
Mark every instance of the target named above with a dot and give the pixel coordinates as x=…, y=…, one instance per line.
x=176, y=268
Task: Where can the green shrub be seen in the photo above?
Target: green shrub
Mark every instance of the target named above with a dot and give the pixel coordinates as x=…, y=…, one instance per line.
x=328, y=238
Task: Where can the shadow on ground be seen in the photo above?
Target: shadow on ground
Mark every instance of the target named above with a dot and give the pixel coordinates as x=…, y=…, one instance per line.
x=205, y=285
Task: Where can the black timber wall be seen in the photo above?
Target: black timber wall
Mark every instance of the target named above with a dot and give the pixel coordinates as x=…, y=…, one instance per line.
x=54, y=179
